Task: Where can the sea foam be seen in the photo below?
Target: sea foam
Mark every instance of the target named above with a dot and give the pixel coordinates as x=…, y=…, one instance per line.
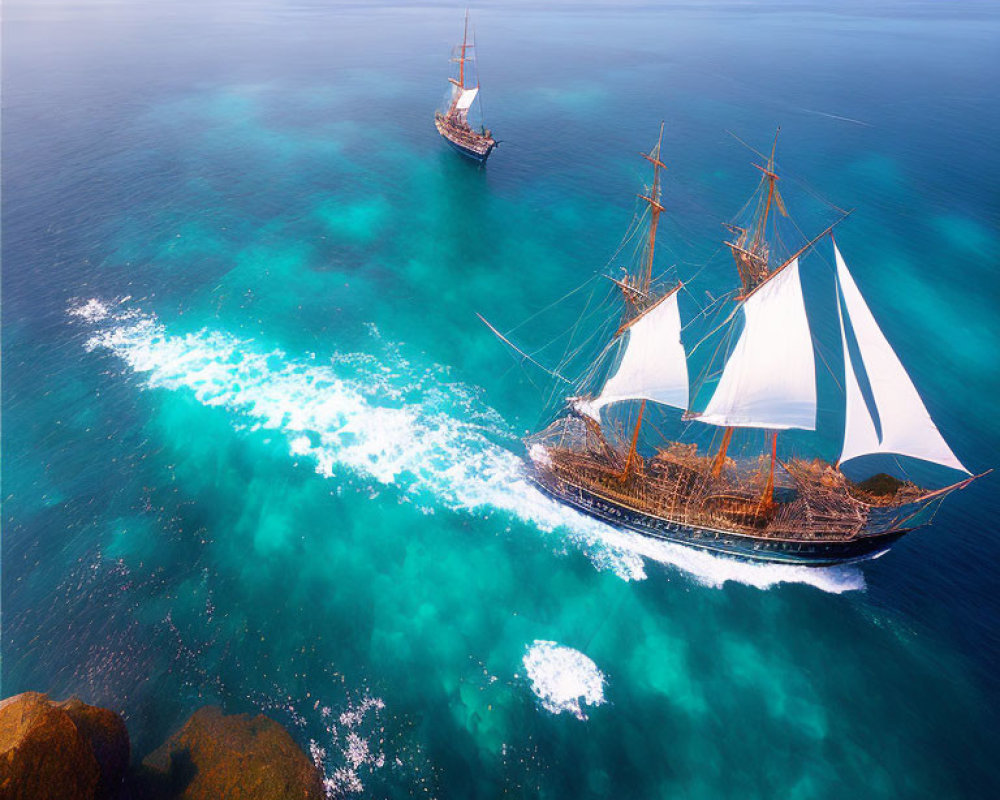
x=395, y=424
x=562, y=678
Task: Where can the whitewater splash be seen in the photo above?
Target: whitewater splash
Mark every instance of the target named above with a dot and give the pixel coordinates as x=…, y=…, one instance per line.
x=563, y=679
x=431, y=438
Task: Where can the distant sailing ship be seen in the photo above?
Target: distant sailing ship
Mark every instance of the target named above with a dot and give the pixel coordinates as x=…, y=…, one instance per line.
x=453, y=123
x=816, y=516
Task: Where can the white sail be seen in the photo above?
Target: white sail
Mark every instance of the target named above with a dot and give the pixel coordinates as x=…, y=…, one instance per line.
x=653, y=366
x=465, y=99
x=907, y=428
x=769, y=380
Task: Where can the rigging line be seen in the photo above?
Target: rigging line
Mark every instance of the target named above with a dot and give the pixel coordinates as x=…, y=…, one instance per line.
x=801, y=182
x=748, y=147
x=574, y=329
x=706, y=309
x=634, y=227
x=716, y=329
x=833, y=375
x=580, y=320
x=706, y=372
x=554, y=303
x=519, y=350
x=705, y=263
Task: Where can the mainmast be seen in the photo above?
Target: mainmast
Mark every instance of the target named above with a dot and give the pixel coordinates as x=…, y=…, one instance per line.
x=460, y=83
x=750, y=248
x=751, y=253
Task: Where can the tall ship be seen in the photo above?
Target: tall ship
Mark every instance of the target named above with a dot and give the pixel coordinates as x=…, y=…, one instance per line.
x=760, y=506
x=453, y=122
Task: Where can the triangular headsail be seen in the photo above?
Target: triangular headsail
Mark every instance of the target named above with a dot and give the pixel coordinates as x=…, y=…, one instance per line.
x=653, y=366
x=769, y=380
x=907, y=428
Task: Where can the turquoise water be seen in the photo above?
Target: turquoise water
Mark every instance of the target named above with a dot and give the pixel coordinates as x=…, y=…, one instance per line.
x=259, y=451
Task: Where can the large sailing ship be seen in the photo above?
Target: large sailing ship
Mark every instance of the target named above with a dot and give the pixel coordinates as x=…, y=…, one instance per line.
x=795, y=509
x=453, y=122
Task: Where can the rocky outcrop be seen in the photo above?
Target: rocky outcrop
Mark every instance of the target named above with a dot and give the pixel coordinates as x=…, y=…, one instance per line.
x=62, y=751
x=72, y=751
x=236, y=757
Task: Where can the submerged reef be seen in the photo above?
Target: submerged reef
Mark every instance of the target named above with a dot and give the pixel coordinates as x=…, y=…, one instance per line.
x=74, y=751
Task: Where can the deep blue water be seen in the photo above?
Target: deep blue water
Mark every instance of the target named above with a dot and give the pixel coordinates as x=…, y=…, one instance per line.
x=259, y=451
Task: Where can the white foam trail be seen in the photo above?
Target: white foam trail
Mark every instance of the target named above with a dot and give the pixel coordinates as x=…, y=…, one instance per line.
x=400, y=426
x=564, y=679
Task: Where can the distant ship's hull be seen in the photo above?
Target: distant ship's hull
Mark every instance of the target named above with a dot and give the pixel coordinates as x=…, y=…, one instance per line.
x=875, y=539
x=470, y=144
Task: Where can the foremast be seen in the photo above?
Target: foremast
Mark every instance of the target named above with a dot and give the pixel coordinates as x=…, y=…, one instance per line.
x=636, y=290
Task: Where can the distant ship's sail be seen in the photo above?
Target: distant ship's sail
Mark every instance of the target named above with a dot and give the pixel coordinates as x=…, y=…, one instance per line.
x=452, y=122
x=769, y=380
x=906, y=427
x=653, y=366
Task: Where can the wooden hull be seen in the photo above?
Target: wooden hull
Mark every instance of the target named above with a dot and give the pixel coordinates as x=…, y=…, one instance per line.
x=876, y=538
x=470, y=144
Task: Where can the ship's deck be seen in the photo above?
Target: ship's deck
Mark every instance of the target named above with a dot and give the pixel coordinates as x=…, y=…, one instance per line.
x=814, y=503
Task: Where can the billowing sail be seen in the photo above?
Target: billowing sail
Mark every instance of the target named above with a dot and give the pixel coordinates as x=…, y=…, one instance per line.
x=769, y=380
x=906, y=427
x=465, y=99
x=653, y=366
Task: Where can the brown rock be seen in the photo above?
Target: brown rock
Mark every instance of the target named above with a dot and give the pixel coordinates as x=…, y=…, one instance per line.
x=108, y=737
x=234, y=757
x=62, y=751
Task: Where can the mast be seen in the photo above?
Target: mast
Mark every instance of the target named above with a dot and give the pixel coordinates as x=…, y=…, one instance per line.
x=751, y=259
x=720, y=457
x=749, y=247
x=771, y=177
x=461, y=63
x=460, y=83
x=639, y=291
x=768, y=498
x=635, y=438
x=653, y=157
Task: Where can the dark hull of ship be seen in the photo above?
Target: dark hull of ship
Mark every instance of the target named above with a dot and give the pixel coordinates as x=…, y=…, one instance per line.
x=874, y=539
x=479, y=155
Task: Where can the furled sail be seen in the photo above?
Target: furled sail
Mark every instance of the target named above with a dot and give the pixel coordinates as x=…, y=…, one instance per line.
x=769, y=380
x=906, y=427
x=653, y=366
x=465, y=99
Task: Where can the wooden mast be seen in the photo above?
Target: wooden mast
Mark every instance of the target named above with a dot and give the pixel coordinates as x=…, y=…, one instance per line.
x=646, y=277
x=631, y=451
x=460, y=83
x=653, y=157
x=750, y=249
x=771, y=177
x=768, y=499
x=749, y=257
x=720, y=457
x=461, y=61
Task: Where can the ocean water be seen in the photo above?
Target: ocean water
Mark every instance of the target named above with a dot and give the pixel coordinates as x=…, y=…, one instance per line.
x=258, y=450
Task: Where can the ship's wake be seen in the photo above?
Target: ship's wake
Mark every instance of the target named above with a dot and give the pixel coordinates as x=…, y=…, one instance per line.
x=391, y=422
